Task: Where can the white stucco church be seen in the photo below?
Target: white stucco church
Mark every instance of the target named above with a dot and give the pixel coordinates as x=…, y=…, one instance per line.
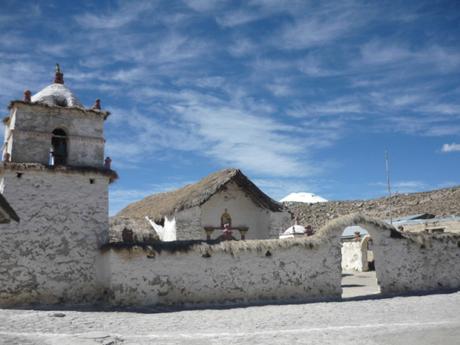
x=202, y=210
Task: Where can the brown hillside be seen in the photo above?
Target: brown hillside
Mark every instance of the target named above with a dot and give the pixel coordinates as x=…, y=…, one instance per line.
x=441, y=202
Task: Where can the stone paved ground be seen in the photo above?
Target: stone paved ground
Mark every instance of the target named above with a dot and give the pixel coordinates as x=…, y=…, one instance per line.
x=431, y=319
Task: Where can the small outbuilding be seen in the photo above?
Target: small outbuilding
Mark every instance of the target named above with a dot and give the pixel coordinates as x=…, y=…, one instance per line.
x=294, y=231
x=202, y=210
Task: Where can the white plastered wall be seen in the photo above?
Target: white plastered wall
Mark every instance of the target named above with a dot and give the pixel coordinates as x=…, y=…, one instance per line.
x=354, y=258
x=146, y=278
x=243, y=211
x=50, y=255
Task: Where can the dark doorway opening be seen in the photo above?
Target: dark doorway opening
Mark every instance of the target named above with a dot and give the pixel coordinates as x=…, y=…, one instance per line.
x=59, y=147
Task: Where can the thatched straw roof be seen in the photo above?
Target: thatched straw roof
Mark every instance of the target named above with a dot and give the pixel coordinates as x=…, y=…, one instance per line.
x=160, y=205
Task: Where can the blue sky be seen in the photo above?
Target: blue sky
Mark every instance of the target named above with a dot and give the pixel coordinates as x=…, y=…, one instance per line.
x=300, y=95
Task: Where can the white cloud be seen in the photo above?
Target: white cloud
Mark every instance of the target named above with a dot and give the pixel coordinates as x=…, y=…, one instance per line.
x=278, y=188
x=238, y=138
x=281, y=87
x=203, y=5
x=441, y=108
x=238, y=17
x=342, y=105
x=451, y=147
x=379, y=52
x=398, y=187
x=419, y=125
x=312, y=67
x=407, y=99
x=321, y=23
x=125, y=14
x=242, y=46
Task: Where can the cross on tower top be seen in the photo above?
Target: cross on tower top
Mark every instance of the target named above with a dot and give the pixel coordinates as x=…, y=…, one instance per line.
x=58, y=76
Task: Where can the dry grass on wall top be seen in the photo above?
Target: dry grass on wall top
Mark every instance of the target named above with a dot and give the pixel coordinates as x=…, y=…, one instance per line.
x=206, y=248
x=335, y=227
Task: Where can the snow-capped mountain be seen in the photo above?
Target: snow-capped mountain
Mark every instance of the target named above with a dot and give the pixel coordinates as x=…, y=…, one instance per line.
x=303, y=197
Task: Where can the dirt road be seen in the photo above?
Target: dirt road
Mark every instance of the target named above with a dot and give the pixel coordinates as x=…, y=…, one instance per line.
x=432, y=319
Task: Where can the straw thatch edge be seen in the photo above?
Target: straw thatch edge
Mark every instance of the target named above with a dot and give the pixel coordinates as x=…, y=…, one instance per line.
x=328, y=234
x=161, y=205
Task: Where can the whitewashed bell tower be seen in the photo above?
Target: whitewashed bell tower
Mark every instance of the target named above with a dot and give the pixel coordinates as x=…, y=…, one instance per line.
x=54, y=175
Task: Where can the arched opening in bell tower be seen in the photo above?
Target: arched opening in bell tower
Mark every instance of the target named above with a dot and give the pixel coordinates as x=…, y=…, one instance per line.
x=59, y=147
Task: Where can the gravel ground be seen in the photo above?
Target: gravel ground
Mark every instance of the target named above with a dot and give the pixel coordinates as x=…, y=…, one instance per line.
x=430, y=319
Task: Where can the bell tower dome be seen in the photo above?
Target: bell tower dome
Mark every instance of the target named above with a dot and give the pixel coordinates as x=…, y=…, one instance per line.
x=52, y=127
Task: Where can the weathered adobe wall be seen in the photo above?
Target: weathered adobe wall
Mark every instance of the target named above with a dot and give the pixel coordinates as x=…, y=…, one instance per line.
x=294, y=270
x=50, y=255
x=32, y=132
x=405, y=262
x=228, y=272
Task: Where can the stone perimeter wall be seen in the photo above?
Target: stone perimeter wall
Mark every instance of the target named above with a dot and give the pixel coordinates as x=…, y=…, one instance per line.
x=221, y=273
x=53, y=256
x=276, y=270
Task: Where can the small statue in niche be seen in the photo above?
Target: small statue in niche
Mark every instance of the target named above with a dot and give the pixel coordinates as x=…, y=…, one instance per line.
x=225, y=219
x=127, y=235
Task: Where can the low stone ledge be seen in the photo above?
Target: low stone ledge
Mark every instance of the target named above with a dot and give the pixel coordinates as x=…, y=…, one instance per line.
x=66, y=169
x=104, y=114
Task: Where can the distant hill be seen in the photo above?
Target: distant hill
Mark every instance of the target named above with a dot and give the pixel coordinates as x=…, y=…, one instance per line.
x=441, y=202
x=303, y=197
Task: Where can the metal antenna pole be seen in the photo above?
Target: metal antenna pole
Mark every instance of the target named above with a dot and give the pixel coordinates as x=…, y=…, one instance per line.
x=387, y=168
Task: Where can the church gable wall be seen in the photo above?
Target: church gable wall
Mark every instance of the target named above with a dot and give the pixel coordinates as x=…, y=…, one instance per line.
x=243, y=212
x=50, y=255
